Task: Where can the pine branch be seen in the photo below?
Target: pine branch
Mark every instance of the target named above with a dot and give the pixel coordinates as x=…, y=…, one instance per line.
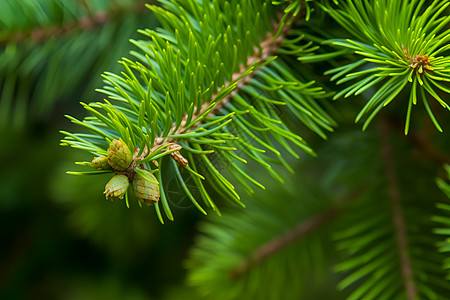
x=240, y=251
x=365, y=229
x=398, y=219
x=403, y=49
x=278, y=243
x=41, y=34
x=170, y=102
x=87, y=21
x=372, y=226
x=299, y=231
x=268, y=47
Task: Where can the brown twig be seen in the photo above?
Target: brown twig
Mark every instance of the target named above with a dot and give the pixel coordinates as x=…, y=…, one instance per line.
x=299, y=231
x=398, y=218
x=280, y=242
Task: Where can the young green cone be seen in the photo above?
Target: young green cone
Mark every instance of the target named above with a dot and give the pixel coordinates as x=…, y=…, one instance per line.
x=101, y=163
x=146, y=191
x=119, y=155
x=116, y=187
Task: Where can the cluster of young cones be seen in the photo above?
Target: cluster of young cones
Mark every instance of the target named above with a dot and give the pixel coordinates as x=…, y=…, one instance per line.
x=121, y=160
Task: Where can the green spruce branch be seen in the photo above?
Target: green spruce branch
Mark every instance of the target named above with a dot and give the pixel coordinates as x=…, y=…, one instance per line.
x=267, y=47
x=213, y=101
x=300, y=231
x=401, y=46
x=279, y=242
x=238, y=254
x=382, y=239
x=49, y=27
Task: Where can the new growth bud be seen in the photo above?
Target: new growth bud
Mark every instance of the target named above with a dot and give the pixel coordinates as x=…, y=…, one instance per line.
x=119, y=155
x=101, y=163
x=146, y=191
x=116, y=187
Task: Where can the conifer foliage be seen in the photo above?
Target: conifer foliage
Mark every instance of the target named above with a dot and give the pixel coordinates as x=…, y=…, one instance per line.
x=247, y=83
x=401, y=44
x=210, y=72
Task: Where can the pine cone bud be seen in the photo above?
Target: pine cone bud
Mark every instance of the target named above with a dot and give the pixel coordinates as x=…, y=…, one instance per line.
x=146, y=191
x=101, y=163
x=116, y=187
x=119, y=155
